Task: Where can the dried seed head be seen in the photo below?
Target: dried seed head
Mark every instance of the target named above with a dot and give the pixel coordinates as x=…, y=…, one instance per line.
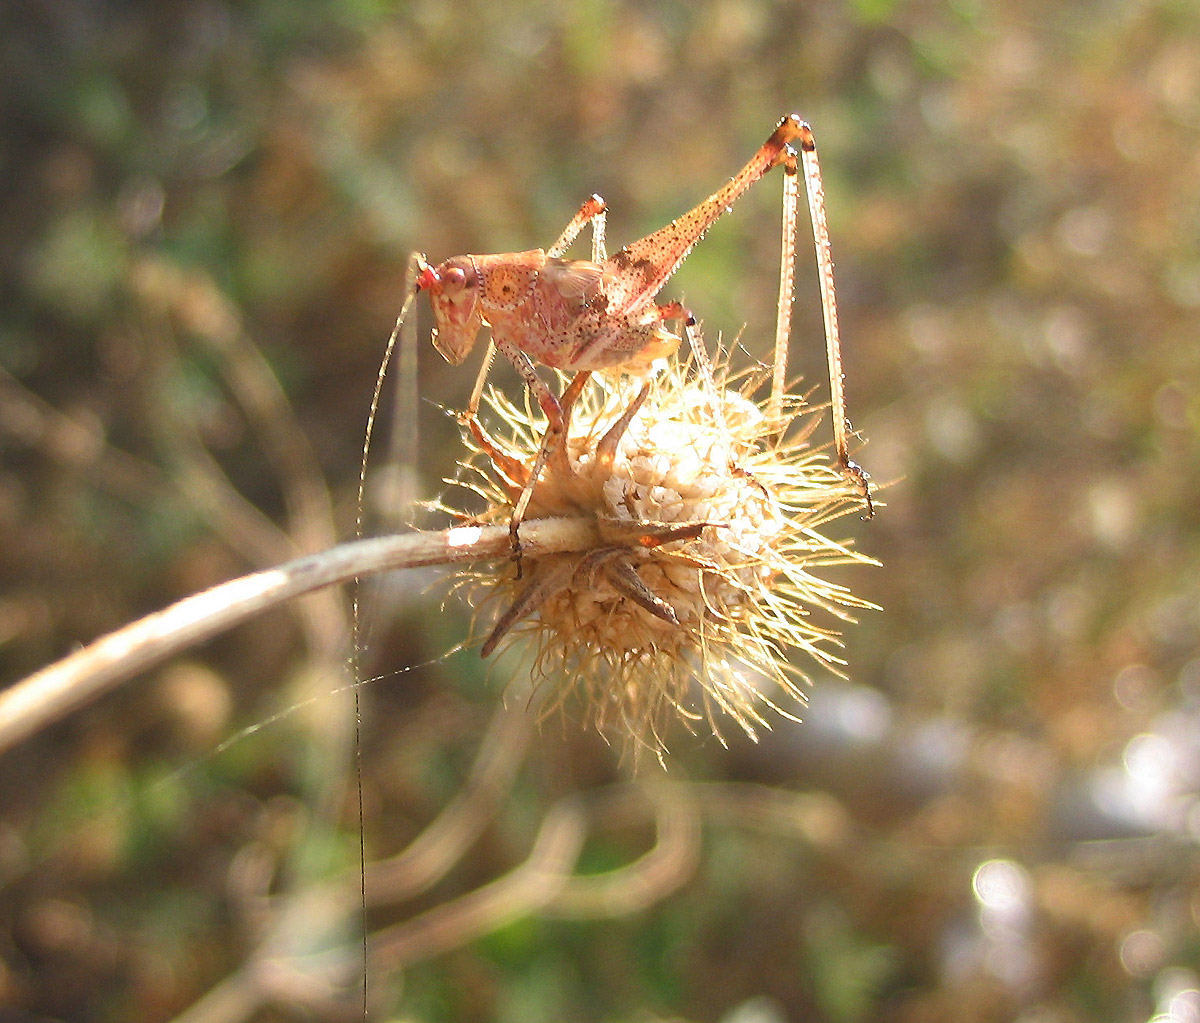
x=707, y=564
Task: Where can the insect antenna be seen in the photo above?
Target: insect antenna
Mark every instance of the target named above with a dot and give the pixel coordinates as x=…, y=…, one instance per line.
x=407, y=407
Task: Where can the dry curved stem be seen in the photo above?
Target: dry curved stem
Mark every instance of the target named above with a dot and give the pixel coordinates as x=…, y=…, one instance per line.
x=236, y=998
x=301, y=954
x=527, y=888
x=47, y=695
x=284, y=971
x=652, y=876
x=545, y=883
x=293, y=965
x=442, y=843
x=814, y=818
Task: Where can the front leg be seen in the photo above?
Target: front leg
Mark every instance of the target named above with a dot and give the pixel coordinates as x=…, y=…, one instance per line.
x=553, y=441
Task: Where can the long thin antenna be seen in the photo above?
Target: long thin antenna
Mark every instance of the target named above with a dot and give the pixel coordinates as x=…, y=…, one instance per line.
x=356, y=613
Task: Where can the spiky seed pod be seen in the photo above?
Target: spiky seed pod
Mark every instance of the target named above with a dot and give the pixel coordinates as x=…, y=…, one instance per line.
x=710, y=524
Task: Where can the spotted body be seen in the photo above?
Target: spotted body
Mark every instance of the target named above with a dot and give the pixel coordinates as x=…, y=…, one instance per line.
x=557, y=312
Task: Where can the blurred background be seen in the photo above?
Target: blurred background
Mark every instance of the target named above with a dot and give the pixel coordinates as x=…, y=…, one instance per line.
x=205, y=215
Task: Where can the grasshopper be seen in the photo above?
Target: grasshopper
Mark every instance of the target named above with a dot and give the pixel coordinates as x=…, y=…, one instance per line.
x=584, y=315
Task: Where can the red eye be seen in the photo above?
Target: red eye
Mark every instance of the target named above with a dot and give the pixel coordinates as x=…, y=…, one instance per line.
x=428, y=279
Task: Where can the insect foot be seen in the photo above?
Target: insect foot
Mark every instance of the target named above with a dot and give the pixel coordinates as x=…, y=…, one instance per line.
x=706, y=573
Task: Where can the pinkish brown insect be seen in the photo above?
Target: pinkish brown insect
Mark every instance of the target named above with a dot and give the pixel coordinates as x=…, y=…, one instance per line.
x=580, y=315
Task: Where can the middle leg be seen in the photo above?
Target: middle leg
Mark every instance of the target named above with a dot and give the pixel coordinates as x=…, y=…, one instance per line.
x=557, y=413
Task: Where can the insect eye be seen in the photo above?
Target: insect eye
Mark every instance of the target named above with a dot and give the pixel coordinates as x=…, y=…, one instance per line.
x=428, y=279
x=454, y=277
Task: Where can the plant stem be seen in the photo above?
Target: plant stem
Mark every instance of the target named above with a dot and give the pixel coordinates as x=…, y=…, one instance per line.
x=65, y=685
